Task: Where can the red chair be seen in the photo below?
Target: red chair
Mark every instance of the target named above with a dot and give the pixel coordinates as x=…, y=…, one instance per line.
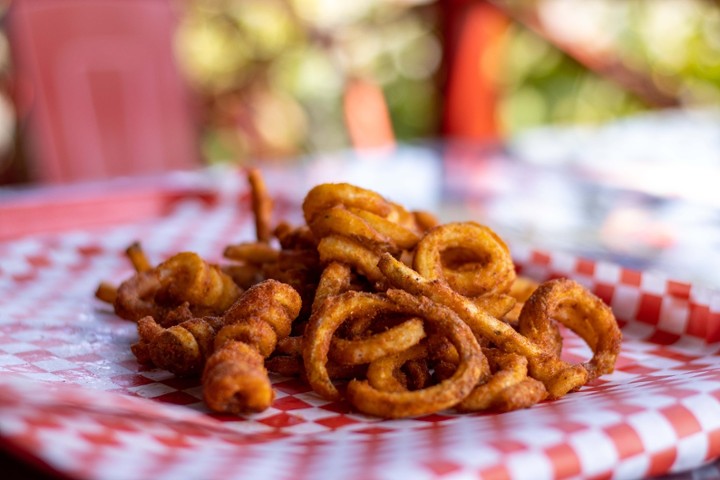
x=98, y=89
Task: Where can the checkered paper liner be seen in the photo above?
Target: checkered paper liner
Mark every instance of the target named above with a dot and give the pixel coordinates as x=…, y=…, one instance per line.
x=74, y=400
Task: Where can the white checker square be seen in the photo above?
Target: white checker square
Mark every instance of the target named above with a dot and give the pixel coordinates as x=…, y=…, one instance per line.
x=595, y=451
x=632, y=468
x=537, y=436
x=19, y=347
x=691, y=451
x=607, y=273
x=653, y=283
x=653, y=429
x=625, y=302
x=152, y=390
x=706, y=409
x=530, y=466
x=673, y=316
x=10, y=360
x=55, y=364
x=598, y=419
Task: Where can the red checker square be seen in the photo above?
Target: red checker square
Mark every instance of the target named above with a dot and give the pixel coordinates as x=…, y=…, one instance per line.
x=292, y=386
x=282, y=420
x=678, y=289
x=660, y=462
x=585, y=266
x=698, y=320
x=508, y=446
x=119, y=423
x=105, y=437
x=564, y=460
x=338, y=407
x=433, y=418
x=605, y=292
x=679, y=393
x=649, y=308
x=626, y=440
x=682, y=420
x=181, y=383
x=176, y=398
x=35, y=355
x=38, y=260
x=540, y=258
x=630, y=277
x=336, y=422
x=637, y=369
x=627, y=409
x=663, y=338
x=496, y=472
x=90, y=250
x=601, y=476
x=672, y=354
x=25, y=277
x=178, y=440
x=130, y=380
x=50, y=342
x=568, y=427
x=290, y=403
x=442, y=467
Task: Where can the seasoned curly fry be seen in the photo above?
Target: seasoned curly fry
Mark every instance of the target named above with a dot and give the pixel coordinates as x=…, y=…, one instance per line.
x=365, y=350
x=472, y=365
x=417, y=315
x=558, y=376
x=482, y=261
x=235, y=379
x=262, y=205
x=138, y=258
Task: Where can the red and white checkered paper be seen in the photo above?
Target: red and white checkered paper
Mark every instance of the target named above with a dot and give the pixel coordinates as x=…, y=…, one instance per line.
x=74, y=400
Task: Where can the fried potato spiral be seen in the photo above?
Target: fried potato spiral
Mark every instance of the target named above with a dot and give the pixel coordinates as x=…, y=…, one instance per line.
x=388, y=309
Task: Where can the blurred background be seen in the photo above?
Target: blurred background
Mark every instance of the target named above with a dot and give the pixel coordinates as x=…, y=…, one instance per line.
x=588, y=126
x=272, y=80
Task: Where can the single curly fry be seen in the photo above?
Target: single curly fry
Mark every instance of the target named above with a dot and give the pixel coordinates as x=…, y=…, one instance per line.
x=508, y=369
x=106, y=292
x=335, y=248
x=187, y=277
x=181, y=349
x=254, y=253
x=425, y=220
x=338, y=220
x=397, y=235
x=262, y=205
x=255, y=332
x=137, y=257
x=472, y=365
x=334, y=280
x=365, y=350
x=271, y=302
x=383, y=372
x=135, y=297
x=322, y=325
x=324, y=196
x=235, y=380
x=470, y=257
x=572, y=305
